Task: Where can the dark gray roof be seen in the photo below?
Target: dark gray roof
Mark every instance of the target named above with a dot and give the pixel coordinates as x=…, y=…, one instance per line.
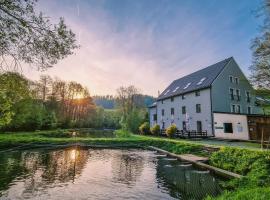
x=153, y=105
x=209, y=73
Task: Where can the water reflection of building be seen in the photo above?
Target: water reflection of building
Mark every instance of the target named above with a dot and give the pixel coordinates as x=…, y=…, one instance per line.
x=127, y=167
x=185, y=182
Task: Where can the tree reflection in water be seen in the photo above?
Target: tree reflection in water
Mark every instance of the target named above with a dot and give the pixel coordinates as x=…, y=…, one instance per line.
x=80, y=173
x=42, y=169
x=127, y=167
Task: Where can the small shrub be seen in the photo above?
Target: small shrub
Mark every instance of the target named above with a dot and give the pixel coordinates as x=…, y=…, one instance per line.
x=121, y=133
x=144, y=128
x=155, y=130
x=245, y=194
x=171, y=130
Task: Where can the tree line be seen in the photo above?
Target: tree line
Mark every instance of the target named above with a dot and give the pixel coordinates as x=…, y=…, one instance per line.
x=53, y=103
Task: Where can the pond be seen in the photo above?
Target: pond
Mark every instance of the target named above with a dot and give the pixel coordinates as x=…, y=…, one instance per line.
x=85, y=173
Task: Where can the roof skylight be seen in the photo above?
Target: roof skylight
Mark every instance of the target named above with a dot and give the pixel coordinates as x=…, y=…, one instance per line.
x=166, y=92
x=201, y=81
x=176, y=89
x=187, y=85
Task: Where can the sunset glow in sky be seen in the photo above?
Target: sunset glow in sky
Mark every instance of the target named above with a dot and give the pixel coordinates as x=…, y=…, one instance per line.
x=149, y=43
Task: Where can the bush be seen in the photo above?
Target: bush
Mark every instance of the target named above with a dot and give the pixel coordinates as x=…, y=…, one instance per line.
x=171, y=130
x=254, y=165
x=121, y=133
x=245, y=194
x=155, y=130
x=144, y=128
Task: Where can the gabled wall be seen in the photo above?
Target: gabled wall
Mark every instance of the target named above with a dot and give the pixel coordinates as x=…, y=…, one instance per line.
x=221, y=101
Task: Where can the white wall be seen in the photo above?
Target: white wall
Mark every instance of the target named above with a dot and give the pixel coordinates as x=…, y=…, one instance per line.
x=239, y=122
x=190, y=102
x=152, y=111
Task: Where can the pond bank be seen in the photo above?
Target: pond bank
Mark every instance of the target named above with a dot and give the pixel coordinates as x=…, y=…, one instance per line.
x=199, y=162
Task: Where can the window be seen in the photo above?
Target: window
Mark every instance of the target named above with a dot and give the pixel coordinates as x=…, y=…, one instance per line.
x=154, y=117
x=183, y=109
x=231, y=79
x=197, y=93
x=228, y=128
x=231, y=93
x=163, y=125
x=187, y=85
x=201, y=81
x=238, y=109
x=248, y=96
x=162, y=112
x=238, y=94
x=183, y=96
x=176, y=89
x=233, y=108
x=162, y=101
x=249, y=110
x=198, y=108
x=172, y=99
x=236, y=80
x=199, y=126
x=172, y=111
x=184, y=125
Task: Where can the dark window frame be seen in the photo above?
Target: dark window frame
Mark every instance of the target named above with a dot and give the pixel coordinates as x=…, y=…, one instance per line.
x=231, y=79
x=198, y=108
x=184, y=126
x=228, y=127
x=236, y=80
x=238, y=109
x=233, y=110
x=172, y=111
x=184, y=110
x=249, y=109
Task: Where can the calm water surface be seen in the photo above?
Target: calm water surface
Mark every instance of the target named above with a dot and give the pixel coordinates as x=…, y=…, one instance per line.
x=82, y=173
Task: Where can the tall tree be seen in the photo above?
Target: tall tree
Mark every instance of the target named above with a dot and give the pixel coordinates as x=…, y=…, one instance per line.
x=126, y=99
x=30, y=37
x=260, y=69
x=13, y=88
x=131, y=106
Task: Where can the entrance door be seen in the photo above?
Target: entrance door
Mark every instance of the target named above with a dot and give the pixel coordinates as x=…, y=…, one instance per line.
x=184, y=126
x=263, y=131
x=199, y=126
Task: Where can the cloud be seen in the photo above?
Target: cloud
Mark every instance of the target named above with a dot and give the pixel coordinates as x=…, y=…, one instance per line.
x=147, y=48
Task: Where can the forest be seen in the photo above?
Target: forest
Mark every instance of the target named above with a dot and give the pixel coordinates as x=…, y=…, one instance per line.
x=51, y=103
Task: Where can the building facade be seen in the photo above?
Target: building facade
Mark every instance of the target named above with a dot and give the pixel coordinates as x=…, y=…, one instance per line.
x=216, y=99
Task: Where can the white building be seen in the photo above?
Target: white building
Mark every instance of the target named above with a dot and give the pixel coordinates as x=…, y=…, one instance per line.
x=216, y=99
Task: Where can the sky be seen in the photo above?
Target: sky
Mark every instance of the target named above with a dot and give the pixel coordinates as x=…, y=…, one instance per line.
x=149, y=43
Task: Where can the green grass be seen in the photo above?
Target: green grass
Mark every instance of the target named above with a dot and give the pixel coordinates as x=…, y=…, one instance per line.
x=8, y=140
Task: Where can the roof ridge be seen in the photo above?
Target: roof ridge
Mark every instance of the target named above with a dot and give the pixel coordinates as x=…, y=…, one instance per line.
x=229, y=58
x=204, y=76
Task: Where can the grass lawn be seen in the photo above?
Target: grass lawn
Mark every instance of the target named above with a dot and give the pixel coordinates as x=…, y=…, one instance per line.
x=100, y=137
